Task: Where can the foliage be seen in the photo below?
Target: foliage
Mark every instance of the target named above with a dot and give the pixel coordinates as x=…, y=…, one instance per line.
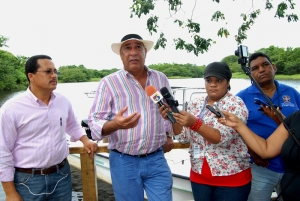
x=3, y=41
x=11, y=77
x=180, y=70
x=286, y=60
x=200, y=44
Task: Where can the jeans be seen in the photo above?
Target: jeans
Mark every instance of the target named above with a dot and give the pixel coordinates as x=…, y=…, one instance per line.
x=132, y=175
x=203, y=192
x=51, y=187
x=263, y=183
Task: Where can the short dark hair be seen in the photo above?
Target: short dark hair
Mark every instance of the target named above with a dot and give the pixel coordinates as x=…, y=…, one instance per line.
x=258, y=54
x=32, y=65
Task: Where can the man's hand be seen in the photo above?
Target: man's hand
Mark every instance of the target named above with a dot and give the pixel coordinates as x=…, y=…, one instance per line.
x=90, y=146
x=270, y=112
x=126, y=122
x=10, y=191
x=168, y=146
x=258, y=160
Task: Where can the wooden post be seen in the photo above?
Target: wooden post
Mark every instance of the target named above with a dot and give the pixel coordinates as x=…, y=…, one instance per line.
x=88, y=177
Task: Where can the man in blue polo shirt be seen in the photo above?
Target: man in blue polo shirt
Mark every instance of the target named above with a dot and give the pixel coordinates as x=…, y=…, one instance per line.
x=266, y=173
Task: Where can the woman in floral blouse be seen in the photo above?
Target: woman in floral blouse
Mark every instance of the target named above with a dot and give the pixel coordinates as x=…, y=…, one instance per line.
x=220, y=166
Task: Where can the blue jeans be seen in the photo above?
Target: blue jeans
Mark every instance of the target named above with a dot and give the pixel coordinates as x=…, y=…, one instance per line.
x=203, y=192
x=132, y=175
x=51, y=187
x=264, y=181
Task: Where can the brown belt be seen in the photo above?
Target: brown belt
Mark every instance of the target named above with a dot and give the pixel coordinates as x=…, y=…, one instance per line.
x=42, y=171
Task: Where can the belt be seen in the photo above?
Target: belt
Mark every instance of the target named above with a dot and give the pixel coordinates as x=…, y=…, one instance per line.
x=138, y=156
x=42, y=171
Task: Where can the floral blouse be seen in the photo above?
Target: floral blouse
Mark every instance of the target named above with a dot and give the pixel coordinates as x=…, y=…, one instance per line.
x=230, y=155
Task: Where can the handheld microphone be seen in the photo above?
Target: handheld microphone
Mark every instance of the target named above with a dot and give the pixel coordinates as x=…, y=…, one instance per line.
x=169, y=99
x=156, y=97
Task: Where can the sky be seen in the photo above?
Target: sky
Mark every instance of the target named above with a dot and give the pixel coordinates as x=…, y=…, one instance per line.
x=80, y=32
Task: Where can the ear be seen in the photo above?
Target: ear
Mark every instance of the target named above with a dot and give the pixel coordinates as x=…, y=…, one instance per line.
x=30, y=76
x=274, y=68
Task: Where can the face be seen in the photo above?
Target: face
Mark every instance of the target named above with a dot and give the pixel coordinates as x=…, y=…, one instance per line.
x=133, y=54
x=216, y=88
x=262, y=70
x=46, y=76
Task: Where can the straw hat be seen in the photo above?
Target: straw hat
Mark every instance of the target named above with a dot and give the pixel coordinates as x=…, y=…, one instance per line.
x=117, y=46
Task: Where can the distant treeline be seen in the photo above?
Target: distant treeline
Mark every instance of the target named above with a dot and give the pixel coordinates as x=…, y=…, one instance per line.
x=12, y=76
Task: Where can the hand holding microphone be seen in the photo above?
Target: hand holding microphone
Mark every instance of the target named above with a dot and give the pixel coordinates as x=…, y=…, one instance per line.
x=169, y=99
x=156, y=97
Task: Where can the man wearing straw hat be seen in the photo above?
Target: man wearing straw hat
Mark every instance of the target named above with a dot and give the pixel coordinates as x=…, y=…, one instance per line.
x=136, y=132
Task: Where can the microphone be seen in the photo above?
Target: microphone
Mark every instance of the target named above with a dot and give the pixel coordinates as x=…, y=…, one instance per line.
x=156, y=97
x=169, y=99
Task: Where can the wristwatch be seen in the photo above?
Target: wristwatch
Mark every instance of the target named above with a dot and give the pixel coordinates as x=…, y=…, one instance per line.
x=169, y=135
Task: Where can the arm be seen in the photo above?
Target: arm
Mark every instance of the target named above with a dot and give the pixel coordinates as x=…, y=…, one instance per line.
x=120, y=122
x=265, y=148
x=210, y=134
x=10, y=191
x=89, y=146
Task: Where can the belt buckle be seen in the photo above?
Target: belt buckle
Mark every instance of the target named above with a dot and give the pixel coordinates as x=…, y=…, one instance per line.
x=42, y=173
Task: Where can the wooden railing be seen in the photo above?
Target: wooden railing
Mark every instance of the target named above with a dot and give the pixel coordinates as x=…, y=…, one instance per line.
x=88, y=169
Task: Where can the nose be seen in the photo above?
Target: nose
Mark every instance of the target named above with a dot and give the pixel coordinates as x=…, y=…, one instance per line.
x=261, y=69
x=133, y=52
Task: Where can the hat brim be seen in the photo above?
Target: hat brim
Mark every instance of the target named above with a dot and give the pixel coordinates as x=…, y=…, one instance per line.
x=214, y=75
x=117, y=46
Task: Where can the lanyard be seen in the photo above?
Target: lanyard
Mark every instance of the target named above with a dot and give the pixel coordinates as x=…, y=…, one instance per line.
x=203, y=111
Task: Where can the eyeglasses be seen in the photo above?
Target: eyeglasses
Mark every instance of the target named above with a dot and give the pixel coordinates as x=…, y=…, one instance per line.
x=49, y=72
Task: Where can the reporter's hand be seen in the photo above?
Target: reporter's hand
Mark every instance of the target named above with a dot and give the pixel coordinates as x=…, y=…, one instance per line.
x=163, y=111
x=184, y=118
x=230, y=120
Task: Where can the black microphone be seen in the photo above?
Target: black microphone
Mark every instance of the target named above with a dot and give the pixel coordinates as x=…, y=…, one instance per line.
x=156, y=97
x=169, y=99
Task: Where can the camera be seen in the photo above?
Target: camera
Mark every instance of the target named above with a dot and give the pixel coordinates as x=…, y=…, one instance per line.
x=243, y=54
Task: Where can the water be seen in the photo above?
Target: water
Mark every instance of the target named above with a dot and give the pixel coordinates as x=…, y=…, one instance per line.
x=81, y=103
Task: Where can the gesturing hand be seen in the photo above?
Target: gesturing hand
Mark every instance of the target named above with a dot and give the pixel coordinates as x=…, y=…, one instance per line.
x=126, y=122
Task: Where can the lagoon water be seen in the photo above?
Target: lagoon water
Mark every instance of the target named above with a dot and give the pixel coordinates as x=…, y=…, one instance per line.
x=81, y=103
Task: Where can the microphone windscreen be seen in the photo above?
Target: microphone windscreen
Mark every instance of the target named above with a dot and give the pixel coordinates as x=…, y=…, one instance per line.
x=150, y=90
x=165, y=92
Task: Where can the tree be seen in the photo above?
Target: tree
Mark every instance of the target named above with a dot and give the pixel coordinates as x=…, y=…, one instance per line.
x=8, y=63
x=198, y=43
x=3, y=41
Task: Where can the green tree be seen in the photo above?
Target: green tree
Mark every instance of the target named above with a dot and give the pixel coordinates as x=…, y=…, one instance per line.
x=198, y=43
x=8, y=66
x=232, y=62
x=3, y=41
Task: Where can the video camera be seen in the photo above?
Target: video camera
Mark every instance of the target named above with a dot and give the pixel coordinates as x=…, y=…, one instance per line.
x=243, y=54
